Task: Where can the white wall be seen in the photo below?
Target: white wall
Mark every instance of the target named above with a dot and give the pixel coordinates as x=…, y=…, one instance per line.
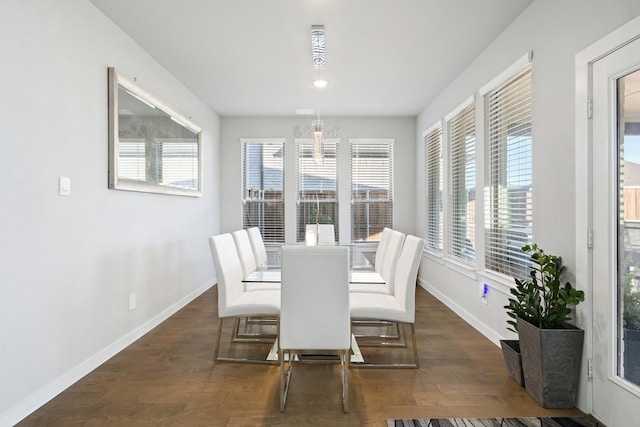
x=68, y=264
x=554, y=31
x=401, y=129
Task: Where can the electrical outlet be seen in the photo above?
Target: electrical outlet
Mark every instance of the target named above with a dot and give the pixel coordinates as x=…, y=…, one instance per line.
x=485, y=293
x=132, y=302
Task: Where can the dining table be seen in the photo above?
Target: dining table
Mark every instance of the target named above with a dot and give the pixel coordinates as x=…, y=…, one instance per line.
x=361, y=271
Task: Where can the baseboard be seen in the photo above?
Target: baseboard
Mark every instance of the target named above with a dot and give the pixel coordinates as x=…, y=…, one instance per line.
x=489, y=333
x=51, y=390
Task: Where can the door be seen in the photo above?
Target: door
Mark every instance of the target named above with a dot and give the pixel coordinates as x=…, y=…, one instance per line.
x=616, y=233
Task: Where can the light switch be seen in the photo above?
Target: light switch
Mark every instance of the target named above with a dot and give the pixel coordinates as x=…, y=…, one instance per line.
x=65, y=186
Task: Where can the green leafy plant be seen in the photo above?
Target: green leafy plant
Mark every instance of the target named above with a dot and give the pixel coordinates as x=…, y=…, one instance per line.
x=542, y=299
x=631, y=297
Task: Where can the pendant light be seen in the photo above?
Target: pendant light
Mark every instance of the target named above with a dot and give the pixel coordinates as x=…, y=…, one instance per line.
x=317, y=51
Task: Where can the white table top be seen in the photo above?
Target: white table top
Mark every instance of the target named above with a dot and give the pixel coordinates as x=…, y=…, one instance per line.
x=273, y=276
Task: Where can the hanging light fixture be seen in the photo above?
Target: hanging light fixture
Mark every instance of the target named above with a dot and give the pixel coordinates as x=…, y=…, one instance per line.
x=317, y=51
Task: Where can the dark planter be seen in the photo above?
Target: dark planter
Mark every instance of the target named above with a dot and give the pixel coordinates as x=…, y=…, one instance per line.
x=632, y=355
x=513, y=360
x=551, y=361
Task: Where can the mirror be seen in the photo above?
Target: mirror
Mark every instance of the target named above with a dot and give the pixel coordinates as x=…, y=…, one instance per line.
x=151, y=147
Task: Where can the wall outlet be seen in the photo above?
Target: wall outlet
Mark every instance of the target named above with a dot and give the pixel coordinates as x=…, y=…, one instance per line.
x=132, y=302
x=485, y=293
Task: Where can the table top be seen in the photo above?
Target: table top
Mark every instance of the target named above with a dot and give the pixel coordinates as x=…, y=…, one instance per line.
x=273, y=276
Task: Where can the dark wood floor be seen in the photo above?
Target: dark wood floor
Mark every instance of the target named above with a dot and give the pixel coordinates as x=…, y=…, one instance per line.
x=167, y=378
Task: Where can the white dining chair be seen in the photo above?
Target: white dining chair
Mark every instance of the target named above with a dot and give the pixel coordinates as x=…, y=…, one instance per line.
x=311, y=234
x=233, y=300
x=393, y=247
x=314, y=311
x=382, y=245
x=326, y=235
x=397, y=307
x=391, y=255
x=245, y=251
x=257, y=245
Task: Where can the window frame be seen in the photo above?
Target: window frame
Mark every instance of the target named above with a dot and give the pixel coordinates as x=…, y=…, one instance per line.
x=503, y=241
x=461, y=147
x=434, y=227
x=322, y=203
x=385, y=219
x=271, y=238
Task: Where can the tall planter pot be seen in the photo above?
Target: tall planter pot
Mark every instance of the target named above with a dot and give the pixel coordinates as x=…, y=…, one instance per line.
x=513, y=360
x=551, y=361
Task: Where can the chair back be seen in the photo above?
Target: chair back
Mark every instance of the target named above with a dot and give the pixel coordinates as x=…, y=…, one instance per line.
x=391, y=255
x=245, y=252
x=382, y=246
x=326, y=234
x=311, y=235
x=406, y=275
x=257, y=244
x=228, y=271
x=314, y=304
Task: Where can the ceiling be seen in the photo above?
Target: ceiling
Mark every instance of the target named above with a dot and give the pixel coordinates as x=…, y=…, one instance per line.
x=253, y=57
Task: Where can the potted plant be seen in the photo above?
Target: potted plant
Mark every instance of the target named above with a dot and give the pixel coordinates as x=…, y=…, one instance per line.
x=551, y=348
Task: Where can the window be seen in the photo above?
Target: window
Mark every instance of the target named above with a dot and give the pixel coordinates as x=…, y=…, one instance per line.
x=262, y=186
x=433, y=150
x=462, y=184
x=508, y=168
x=317, y=196
x=371, y=188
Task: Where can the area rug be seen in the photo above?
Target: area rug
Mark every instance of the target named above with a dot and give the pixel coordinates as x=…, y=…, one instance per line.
x=496, y=422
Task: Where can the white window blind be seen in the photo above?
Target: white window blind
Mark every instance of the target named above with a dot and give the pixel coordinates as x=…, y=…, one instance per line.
x=169, y=161
x=433, y=150
x=262, y=187
x=371, y=189
x=508, y=193
x=317, y=196
x=179, y=162
x=132, y=159
x=462, y=185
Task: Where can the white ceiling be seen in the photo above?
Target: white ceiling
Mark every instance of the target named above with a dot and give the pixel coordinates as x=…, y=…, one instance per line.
x=253, y=57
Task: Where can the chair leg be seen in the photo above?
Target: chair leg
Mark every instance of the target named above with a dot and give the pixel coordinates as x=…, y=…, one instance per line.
x=414, y=365
x=285, y=377
x=217, y=358
x=415, y=347
x=345, y=358
x=217, y=346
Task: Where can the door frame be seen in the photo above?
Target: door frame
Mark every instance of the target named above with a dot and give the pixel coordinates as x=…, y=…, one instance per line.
x=584, y=61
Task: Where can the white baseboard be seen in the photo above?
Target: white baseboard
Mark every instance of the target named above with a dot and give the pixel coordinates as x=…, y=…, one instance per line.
x=465, y=315
x=51, y=390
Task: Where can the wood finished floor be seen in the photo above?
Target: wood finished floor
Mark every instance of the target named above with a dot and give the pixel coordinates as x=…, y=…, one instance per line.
x=168, y=378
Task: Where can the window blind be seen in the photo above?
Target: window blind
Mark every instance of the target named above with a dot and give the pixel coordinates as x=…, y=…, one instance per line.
x=462, y=185
x=371, y=189
x=262, y=187
x=508, y=195
x=317, y=195
x=433, y=150
x=132, y=159
x=179, y=163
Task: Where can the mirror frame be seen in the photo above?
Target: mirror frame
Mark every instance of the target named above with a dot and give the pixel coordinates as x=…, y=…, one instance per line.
x=116, y=182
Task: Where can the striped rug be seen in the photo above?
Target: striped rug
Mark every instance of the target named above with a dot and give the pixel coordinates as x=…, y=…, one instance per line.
x=497, y=422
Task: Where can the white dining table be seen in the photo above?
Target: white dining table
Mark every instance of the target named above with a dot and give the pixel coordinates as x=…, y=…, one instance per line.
x=272, y=275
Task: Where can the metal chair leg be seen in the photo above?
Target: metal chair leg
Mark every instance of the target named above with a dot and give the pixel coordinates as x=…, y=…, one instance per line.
x=217, y=358
x=345, y=358
x=414, y=365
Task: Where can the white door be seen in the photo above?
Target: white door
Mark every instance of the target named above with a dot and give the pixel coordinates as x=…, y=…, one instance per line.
x=616, y=234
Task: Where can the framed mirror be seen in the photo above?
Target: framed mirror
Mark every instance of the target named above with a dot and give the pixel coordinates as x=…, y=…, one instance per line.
x=152, y=148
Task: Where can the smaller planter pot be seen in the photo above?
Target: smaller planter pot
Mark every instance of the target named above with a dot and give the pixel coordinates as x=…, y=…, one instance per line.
x=551, y=361
x=513, y=360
